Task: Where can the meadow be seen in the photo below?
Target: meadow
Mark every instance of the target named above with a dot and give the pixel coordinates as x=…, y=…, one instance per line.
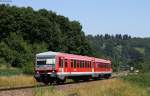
x=16, y=81
x=130, y=85
x=111, y=87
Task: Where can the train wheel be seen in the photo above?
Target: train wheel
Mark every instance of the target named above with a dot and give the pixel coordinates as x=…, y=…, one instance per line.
x=63, y=81
x=107, y=76
x=59, y=81
x=46, y=82
x=76, y=80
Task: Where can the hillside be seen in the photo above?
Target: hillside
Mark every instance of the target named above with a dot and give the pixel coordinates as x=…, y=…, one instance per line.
x=25, y=32
x=123, y=50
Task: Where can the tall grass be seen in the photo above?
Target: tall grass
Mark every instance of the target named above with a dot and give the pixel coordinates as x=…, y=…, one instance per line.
x=10, y=72
x=48, y=91
x=110, y=87
x=16, y=81
x=142, y=80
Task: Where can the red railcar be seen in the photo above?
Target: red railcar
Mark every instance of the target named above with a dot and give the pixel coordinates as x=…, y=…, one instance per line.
x=57, y=67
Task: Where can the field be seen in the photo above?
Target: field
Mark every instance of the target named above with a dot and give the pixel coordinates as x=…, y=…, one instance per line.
x=112, y=87
x=16, y=81
x=131, y=85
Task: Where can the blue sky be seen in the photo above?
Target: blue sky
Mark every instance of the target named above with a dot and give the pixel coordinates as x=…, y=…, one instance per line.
x=100, y=16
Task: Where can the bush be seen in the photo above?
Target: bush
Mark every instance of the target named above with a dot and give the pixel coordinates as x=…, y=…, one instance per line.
x=10, y=72
x=140, y=79
x=28, y=69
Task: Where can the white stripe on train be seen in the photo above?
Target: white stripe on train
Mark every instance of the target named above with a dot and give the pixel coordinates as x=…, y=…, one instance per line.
x=81, y=73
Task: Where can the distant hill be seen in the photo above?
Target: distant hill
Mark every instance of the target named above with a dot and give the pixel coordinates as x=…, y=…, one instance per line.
x=123, y=50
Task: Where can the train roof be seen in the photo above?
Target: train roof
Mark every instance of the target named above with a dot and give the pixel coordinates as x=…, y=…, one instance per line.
x=72, y=56
x=49, y=53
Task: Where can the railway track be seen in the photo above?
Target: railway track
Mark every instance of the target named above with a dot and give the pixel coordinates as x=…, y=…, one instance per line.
x=56, y=85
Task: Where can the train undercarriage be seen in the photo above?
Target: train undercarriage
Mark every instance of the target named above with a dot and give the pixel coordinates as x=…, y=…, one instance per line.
x=56, y=79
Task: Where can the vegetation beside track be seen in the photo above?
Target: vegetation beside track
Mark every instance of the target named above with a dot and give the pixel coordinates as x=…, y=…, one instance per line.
x=111, y=87
x=16, y=81
x=142, y=80
x=131, y=85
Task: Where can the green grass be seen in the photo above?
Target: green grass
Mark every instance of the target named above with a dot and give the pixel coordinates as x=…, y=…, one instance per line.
x=48, y=91
x=111, y=87
x=10, y=72
x=17, y=81
x=142, y=80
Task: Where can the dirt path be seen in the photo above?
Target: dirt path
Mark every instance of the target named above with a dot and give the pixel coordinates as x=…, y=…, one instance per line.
x=22, y=92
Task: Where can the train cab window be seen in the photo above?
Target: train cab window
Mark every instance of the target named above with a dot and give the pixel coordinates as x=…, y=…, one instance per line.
x=66, y=63
x=71, y=63
x=75, y=64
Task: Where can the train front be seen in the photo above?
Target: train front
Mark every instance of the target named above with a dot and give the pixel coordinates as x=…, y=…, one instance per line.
x=45, y=67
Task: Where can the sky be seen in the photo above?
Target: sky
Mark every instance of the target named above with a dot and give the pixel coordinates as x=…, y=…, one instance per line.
x=100, y=16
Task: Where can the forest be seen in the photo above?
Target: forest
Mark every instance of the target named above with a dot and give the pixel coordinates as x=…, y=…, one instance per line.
x=25, y=32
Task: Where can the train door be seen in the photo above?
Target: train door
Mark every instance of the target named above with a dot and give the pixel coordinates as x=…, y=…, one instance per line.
x=71, y=65
x=92, y=66
x=65, y=65
x=61, y=64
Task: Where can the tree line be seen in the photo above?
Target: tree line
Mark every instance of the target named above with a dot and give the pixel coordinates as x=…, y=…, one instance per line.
x=25, y=32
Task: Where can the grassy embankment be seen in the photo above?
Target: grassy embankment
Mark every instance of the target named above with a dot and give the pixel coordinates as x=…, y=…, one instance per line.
x=14, y=78
x=132, y=85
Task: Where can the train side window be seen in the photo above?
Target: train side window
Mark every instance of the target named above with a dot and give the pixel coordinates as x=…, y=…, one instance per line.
x=71, y=63
x=66, y=63
x=87, y=64
x=60, y=62
x=102, y=65
x=90, y=64
x=74, y=63
x=105, y=65
x=83, y=63
x=97, y=64
x=77, y=63
x=80, y=64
